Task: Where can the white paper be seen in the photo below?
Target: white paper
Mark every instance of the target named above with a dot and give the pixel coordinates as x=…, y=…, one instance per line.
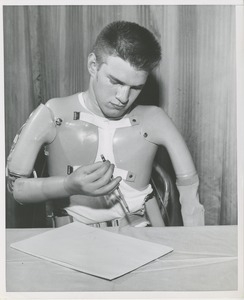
x=92, y=250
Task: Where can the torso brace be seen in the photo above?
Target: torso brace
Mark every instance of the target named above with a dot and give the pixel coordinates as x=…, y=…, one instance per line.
x=83, y=136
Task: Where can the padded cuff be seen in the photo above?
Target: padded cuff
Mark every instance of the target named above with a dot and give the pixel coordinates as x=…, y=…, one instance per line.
x=187, y=180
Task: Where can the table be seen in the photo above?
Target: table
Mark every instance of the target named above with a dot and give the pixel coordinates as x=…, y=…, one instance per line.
x=204, y=259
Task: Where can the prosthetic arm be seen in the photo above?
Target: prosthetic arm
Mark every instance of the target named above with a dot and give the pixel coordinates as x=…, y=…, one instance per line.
x=187, y=180
x=38, y=130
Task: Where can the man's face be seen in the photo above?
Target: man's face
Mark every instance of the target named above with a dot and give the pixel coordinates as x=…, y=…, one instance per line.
x=115, y=86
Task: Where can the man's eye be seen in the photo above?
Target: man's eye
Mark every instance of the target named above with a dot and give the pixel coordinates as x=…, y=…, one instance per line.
x=137, y=88
x=113, y=81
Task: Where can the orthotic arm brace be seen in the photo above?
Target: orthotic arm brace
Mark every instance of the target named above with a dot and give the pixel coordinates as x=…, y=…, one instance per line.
x=38, y=130
x=29, y=190
x=191, y=209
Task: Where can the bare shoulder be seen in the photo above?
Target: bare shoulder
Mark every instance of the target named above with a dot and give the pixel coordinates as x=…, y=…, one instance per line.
x=54, y=102
x=148, y=114
x=64, y=107
x=148, y=111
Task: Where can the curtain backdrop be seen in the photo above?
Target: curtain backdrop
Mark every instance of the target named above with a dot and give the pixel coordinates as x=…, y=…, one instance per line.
x=45, y=56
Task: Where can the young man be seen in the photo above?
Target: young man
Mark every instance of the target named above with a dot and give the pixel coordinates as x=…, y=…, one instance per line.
x=81, y=130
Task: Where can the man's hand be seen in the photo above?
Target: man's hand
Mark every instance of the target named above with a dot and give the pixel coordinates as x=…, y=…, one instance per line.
x=92, y=180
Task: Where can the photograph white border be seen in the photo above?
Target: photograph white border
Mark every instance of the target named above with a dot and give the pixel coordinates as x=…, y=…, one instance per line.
x=239, y=294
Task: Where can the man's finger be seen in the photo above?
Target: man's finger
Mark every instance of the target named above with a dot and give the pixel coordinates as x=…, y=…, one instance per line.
x=92, y=167
x=100, y=172
x=104, y=178
x=108, y=188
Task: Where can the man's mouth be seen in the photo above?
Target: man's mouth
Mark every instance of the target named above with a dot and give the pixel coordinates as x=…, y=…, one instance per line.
x=118, y=106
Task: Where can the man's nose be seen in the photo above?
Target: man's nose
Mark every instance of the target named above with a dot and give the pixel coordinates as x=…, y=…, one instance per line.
x=123, y=94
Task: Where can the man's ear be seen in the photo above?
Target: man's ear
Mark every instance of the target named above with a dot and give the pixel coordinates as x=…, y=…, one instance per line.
x=92, y=64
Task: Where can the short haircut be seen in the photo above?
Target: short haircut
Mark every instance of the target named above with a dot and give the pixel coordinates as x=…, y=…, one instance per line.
x=129, y=41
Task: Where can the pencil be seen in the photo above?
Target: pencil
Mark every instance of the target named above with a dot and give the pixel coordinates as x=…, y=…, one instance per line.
x=121, y=196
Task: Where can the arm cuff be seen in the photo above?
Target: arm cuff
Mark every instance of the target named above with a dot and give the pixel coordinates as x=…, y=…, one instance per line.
x=187, y=180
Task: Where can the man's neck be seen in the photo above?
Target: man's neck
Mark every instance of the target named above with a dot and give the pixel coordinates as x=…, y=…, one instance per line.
x=91, y=103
